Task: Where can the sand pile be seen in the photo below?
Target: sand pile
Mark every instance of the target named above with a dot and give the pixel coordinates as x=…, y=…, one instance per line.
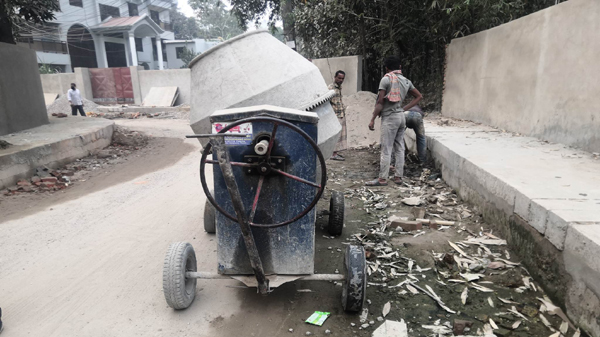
x=62, y=105
x=358, y=115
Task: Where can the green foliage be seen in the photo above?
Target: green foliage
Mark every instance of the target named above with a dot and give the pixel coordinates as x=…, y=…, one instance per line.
x=216, y=22
x=184, y=28
x=416, y=30
x=12, y=12
x=46, y=68
x=187, y=56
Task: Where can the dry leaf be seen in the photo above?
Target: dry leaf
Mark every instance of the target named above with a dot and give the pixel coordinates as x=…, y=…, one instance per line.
x=556, y=334
x=554, y=310
x=460, y=251
x=516, y=325
x=507, y=301
x=481, y=288
x=464, y=295
x=514, y=311
x=486, y=241
x=546, y=323
x=564, y=327
x=496, y=265
x=471, y=277
x=577, y=333
x=493, y=324
x=386, y=309
x=412, y=289
x=491, y=302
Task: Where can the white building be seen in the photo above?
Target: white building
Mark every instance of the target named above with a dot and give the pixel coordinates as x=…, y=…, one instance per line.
x=103, y=33
x=174, y=49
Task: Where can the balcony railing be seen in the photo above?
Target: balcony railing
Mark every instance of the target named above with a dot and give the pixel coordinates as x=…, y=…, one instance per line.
x=166, y=25
x=57, y=47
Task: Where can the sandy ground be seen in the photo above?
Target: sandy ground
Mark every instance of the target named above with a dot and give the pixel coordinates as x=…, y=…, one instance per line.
x=88, y=261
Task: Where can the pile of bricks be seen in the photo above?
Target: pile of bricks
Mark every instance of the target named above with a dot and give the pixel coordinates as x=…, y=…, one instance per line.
x=45, y=180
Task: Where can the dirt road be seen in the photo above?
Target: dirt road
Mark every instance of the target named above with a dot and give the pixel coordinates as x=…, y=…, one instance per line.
x=87, y=261
x=90, y=264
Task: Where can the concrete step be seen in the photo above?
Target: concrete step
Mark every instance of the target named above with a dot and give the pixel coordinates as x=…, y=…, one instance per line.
x=58, y=143
x=551, y=188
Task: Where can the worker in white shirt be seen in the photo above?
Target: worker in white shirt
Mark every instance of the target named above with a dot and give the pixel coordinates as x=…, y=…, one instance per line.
x=74, y=97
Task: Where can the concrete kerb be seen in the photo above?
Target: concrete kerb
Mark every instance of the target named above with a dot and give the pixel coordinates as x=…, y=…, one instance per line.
x=53, y=145
x=556, y=231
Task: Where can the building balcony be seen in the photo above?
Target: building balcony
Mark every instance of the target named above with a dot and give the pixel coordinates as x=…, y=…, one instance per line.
x=56, y=47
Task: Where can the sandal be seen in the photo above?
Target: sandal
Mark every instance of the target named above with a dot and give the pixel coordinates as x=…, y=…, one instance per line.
x=376, y=182
x=337, y=157
x=398, y=180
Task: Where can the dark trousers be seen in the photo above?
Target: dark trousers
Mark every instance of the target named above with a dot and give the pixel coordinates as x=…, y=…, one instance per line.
x=74, y=109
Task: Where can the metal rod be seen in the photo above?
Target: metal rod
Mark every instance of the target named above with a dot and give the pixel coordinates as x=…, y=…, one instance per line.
x=217, y=135
x=233, y=163
x=205, y=275
x=255, y=203
x=324, y=277
x=291, y=176
x=216, y=276
x=238, y=206
x=272, y=141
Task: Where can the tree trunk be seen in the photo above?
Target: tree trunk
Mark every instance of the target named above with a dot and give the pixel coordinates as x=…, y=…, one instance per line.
x=363, y=47
x=6, y=32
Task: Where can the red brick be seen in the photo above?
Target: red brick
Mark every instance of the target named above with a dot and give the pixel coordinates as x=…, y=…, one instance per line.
x=23, y=183
x=49, y=179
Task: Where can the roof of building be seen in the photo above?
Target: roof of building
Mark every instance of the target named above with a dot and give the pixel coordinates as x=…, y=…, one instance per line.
x=126, y=24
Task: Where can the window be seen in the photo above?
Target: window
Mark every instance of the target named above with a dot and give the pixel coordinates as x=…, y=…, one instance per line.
x=154, y=50
x=139, y=45
x=133, y=9
x=179, y=52
x=154, y=16
x=76, y=3
x=108, y=11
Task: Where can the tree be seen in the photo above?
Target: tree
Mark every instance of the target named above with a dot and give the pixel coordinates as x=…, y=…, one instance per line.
x=12, y=12
x=415, y=30
x=187, y=56
x=183, y=27
x=215, y=20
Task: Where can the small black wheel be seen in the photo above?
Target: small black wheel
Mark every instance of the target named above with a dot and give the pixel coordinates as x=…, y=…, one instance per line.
x=336, y=213
x=355, y=288
x=210, y=217
x=179, y=290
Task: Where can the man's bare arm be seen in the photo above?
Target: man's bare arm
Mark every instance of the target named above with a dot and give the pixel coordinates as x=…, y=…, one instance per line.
x=378, y=108
x=417, y=98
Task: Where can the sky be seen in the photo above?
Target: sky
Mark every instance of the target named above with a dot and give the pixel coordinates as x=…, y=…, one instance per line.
x=185, y=8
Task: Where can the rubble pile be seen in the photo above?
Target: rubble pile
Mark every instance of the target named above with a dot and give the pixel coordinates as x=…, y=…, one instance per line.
x=4, y=144
x=437, y=267
x=47, y=179
x=62, y=105
x=183, y=113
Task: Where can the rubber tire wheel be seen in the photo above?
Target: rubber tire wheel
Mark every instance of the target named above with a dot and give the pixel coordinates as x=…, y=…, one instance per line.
x=179, y=291
x=355, y=288
x=336, y=213
x=210, y=218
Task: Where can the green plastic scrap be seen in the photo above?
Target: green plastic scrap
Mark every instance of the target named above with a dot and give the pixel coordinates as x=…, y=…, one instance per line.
x=318, y=318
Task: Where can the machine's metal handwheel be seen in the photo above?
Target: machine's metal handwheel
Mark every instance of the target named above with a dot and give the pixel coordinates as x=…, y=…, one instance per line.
x=265, y=166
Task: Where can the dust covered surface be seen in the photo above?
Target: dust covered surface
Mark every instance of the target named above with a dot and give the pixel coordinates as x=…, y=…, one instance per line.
x=423, y=272
x=62, y=105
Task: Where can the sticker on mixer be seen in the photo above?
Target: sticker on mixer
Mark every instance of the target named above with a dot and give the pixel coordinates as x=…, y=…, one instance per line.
x=242, y=129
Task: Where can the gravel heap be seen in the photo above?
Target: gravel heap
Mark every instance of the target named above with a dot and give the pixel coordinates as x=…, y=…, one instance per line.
x=62, y=105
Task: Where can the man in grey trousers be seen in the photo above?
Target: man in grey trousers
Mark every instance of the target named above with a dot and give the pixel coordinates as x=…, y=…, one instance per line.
x=393, y=88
